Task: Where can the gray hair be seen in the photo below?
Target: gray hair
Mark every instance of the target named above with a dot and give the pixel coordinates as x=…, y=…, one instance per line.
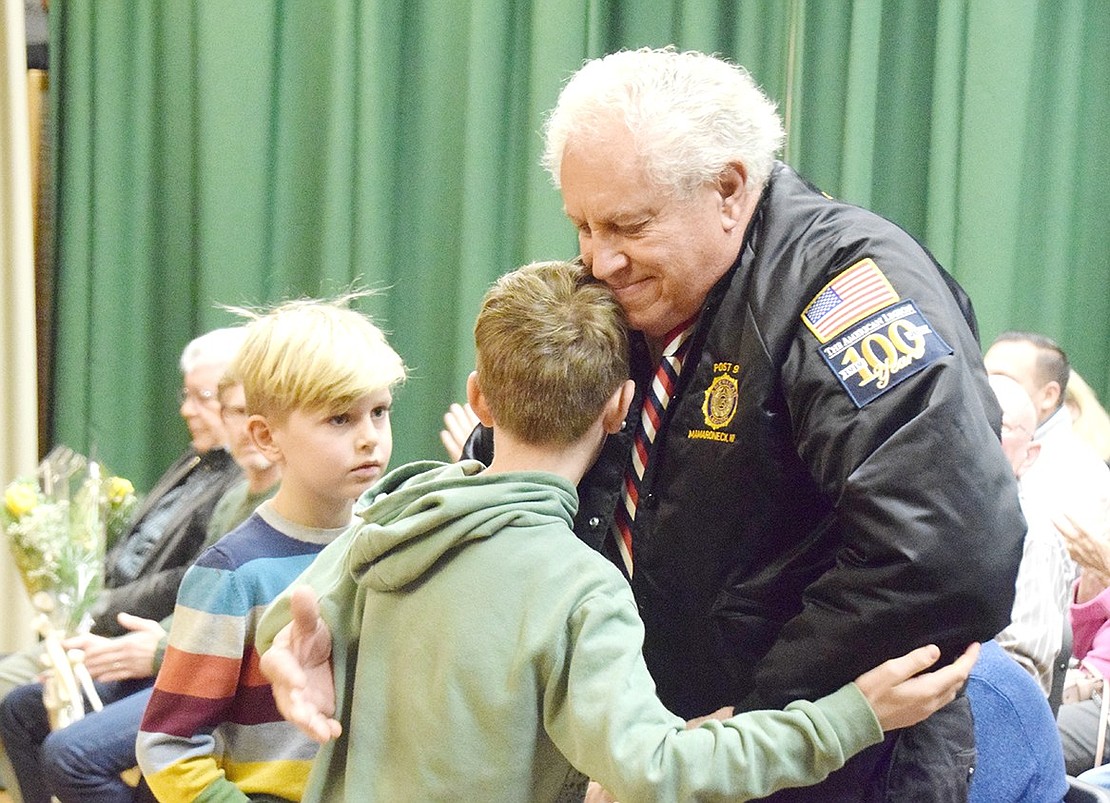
x=217, y=347
x=690, y=116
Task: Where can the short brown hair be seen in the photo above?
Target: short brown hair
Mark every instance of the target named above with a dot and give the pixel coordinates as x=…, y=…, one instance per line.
x=552, y=346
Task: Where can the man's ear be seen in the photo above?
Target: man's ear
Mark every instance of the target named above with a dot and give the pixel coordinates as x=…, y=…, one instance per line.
x=732, y=185
x=1031, y=455
x=262, y=435
x=616, y=409
x=477, y=400
x=1050, y=400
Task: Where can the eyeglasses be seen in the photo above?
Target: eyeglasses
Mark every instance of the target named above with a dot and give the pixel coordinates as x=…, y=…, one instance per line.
x=233, y=413
x=1007, y=428
x=203, y=396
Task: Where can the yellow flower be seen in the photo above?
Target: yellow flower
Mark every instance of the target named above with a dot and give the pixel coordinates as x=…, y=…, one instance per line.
x=20, y=499
x=119, y=489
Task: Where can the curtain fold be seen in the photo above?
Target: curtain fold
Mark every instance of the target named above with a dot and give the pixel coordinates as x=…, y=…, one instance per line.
x=19, y=433
x=214, y=153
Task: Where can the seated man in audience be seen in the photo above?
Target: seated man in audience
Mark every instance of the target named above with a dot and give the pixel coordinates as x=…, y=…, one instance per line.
x=1045, y=574
x=84, y=760
x=1068, y=478
x=145, y=566
x=318, y=380
x=481, y=649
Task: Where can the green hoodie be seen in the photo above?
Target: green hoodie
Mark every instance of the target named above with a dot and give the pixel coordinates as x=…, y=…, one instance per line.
x=480, y=650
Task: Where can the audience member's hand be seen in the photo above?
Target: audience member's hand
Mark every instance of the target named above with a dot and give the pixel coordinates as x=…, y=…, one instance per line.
x=901, y=696
x=123, y=657
x=1090, y=585
x=1085, y=549
x=298, y=666
x=459, y=421
x=595, y=793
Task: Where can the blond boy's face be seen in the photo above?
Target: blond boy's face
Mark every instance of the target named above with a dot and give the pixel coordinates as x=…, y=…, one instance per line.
x=329, y=457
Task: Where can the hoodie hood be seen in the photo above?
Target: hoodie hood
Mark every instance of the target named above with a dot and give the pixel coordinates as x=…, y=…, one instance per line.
x=420, y=511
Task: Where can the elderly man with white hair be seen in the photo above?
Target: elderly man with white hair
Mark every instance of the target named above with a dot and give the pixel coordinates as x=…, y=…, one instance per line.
x=810, y=480
x=1046, y=572
x=145, y=567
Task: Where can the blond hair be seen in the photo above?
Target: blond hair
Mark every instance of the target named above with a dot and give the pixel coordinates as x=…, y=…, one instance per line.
x=313, y=354
x=552, y=347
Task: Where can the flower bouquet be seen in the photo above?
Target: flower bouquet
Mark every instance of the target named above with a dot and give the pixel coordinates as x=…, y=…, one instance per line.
x=58, y=525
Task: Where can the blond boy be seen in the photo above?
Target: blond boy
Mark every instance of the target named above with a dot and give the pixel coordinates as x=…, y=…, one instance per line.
x=480, y=651
x=317, y=378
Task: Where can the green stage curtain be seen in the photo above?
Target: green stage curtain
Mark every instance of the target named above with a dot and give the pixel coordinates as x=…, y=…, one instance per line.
x=213, y=153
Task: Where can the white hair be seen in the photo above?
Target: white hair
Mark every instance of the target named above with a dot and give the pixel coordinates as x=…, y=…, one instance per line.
x=217, y=347
x=1014, y=401
x=690, y=116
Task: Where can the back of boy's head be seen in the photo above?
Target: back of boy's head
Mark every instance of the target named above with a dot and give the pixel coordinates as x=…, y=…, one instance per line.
x=552, y=346
x=312, y=354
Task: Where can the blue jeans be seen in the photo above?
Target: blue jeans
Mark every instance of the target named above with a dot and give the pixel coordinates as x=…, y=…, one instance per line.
x=83, y=761
x=1099, y=776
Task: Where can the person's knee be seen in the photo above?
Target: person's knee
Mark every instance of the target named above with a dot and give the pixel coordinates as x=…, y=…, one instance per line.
x=62, y=759
x=21, y=715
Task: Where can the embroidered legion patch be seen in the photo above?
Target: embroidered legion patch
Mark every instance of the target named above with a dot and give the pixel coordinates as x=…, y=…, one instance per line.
x=854, y=294
x=883, y=350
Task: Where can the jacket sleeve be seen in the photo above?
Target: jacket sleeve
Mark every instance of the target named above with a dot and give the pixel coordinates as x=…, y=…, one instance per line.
x=1034, y=633
x=925, y=504
x=601, y=711
x=150, y=596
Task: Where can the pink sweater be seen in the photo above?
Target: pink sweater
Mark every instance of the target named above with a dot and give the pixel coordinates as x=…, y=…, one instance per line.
x=1090, y=633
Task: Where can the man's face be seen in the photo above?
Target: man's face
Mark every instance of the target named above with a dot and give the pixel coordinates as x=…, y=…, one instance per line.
x=1017, y=440
x=1018, y=360
x=233, y=411
x=659, y=256
x=200, y=407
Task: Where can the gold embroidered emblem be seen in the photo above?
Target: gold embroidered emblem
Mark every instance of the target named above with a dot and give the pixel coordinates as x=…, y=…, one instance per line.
x=720, y=401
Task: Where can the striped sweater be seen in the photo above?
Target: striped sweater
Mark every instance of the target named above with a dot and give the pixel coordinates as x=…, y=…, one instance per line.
x=211, y=730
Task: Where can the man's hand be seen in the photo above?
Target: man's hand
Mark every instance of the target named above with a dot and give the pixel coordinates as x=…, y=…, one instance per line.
x=458, y=422
x=901, y=696
x=298, y=666
x=123, y=657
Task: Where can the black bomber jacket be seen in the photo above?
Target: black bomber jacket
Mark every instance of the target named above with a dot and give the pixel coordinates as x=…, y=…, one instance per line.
x=825, y=493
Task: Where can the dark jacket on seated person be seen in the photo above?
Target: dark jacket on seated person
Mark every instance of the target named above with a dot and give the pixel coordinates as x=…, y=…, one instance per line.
x=145, y=567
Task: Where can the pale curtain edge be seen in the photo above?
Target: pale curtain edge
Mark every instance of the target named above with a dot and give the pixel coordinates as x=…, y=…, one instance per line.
x=18, y=411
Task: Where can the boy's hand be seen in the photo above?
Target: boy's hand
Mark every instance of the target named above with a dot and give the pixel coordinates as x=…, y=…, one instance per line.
x=901, y=697
x=596, y=793
x=298, y=666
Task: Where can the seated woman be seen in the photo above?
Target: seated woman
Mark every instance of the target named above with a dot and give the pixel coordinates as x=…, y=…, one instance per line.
x=1079, y=721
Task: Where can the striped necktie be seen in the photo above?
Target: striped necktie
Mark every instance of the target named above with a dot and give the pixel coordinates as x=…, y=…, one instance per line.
x=656, y=399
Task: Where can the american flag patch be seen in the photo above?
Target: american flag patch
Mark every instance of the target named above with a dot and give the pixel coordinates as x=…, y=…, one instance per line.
x=853, y=295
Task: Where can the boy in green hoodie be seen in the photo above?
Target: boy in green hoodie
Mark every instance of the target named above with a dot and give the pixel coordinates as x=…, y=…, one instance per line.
x=467, y=645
